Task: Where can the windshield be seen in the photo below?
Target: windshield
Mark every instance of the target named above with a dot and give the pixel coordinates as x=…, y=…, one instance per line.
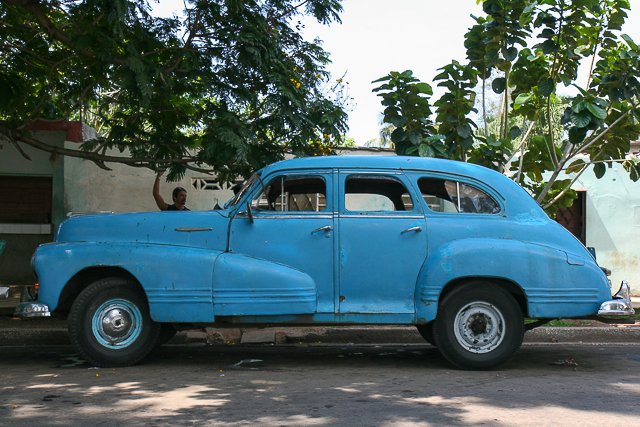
x=243, y=191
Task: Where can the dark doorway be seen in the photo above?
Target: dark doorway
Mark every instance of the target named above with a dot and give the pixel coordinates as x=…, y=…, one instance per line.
x=573, y=218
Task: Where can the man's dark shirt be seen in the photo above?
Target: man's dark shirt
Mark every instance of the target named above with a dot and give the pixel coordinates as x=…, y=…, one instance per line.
x=173, y=208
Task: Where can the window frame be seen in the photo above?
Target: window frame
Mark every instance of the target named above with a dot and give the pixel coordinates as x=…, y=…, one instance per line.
x=257, y=190
x=395, y=175
x=460, y=179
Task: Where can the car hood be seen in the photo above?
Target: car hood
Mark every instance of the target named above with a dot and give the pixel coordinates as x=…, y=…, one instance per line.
x=195, y=229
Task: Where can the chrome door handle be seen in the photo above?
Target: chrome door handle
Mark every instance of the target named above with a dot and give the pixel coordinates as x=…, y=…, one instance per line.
x=416, y=228
x=325, y=228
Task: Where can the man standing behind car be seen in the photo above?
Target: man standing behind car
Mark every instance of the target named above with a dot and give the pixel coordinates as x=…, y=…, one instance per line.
x=179, y=196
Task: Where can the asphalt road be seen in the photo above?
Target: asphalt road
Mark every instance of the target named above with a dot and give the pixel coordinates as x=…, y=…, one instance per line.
x=322, y=385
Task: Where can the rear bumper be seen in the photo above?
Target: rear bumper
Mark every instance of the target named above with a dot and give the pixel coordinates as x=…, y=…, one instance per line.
x=4, y=292
x=620, y=305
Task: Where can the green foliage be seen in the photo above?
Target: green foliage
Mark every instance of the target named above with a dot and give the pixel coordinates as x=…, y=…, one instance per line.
x=407, y=107
x=229, y=87
x=536, y=135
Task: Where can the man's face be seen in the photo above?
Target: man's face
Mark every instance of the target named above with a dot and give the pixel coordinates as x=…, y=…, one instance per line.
x=181, y=198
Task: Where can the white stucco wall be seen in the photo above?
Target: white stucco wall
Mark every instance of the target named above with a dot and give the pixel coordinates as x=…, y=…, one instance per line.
x=41, y=163
x=613, y=223
x=126, y=189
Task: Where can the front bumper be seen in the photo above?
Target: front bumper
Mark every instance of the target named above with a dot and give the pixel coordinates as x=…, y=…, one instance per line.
x=620, y=305
x=32, y=309
x=4, y=292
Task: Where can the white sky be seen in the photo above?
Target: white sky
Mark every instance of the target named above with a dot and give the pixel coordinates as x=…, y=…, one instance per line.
x=378, y=36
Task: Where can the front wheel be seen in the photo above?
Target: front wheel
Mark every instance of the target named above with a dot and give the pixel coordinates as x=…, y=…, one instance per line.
x=427, y=333
x=110, y=325
x=479, y=326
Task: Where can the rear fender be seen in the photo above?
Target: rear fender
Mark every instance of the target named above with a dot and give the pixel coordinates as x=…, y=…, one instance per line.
x=554, y=283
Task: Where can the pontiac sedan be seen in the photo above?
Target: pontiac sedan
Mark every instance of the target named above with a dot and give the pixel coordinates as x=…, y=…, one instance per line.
x=458, y=250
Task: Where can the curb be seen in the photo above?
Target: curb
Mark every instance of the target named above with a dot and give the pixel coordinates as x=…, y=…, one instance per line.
x=330, y=335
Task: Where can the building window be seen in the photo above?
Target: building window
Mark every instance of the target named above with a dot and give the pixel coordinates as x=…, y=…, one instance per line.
x=27, y=200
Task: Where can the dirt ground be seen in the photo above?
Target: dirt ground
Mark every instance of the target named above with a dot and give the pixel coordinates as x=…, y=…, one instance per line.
x=322, y=385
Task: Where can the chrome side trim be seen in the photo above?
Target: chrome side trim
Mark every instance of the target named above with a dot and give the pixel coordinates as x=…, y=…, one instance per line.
x=387, y=216
x=194, y=229
x=620, y=305
x=72, y=214
x=292, y=215
x=32, y=309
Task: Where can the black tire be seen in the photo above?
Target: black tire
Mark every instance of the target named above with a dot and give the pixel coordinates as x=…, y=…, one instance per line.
x=479, y=326
x=167, y=331
x=427, y=333
x=109, y=323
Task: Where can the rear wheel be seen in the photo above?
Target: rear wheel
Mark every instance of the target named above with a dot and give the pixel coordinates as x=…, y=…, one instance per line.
x=479, y=326
x=167, y=331
x=110, y=325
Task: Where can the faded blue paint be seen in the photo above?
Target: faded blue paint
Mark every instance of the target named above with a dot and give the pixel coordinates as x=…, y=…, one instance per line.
x=363, y=269
x=247, y=286
x=177, y=280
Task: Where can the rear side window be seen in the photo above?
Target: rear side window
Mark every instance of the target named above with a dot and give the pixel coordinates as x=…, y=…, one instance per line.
x=442, y=195
x=376, y=193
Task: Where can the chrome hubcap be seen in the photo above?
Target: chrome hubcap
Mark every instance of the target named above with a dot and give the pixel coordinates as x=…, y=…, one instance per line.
x=479, y=327
x=116, y=323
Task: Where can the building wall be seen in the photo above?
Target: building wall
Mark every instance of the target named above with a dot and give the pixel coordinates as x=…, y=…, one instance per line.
x=613, y=223
x=23, y=239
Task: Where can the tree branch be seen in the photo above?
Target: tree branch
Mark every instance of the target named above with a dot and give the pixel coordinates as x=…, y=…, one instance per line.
x=54, y=32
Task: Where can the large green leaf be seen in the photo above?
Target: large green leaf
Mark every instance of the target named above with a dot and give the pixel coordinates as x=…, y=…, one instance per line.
x=398, y=135
x=599, y=169
x=515, y=132
x=576, y=166
x=464, y=131
x=597, y=111
x=510, y=53
x=546, y=86
x=523, y=98
x=581, y=119
x=630, y=42
x=499, y=84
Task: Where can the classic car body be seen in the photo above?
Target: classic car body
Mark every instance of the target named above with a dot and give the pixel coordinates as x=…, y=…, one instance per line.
x=459, y=250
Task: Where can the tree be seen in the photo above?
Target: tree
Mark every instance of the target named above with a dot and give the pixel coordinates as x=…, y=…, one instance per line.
x=595, y=127
x=228, y=87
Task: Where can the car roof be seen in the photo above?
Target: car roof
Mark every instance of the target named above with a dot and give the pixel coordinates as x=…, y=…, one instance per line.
x=385, y=162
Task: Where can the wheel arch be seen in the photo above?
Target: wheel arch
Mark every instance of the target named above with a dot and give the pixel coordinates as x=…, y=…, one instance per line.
x=510, y=286
x=86, y=277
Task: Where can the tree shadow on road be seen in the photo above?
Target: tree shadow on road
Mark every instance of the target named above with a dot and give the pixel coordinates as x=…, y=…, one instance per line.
x=321, y=386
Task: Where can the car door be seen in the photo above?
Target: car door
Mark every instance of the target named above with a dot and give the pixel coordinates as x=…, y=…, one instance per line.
x=293, y=227
x=382, y=243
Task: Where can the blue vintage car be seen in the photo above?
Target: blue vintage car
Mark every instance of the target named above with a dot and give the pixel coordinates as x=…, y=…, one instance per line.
x=458, y=250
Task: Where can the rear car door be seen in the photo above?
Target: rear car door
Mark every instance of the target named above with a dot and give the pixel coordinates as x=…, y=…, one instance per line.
x=382, y=242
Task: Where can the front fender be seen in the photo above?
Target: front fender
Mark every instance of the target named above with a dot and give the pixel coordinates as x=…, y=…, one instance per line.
x=176, y=279
x=554, y=283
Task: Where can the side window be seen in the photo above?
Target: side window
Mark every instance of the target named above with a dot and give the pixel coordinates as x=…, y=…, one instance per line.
x=451, y=196
x=374, y=193
x=292, y=194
